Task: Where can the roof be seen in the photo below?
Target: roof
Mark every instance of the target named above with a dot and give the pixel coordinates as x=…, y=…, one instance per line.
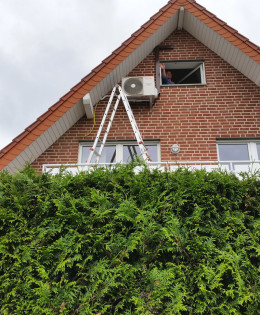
x=236, y=49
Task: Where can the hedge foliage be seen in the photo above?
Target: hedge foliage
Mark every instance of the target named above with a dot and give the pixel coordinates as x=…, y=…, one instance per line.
x=116, y=242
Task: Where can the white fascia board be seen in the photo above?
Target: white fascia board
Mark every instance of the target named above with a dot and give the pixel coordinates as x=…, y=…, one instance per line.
x=180, y=18
x=88, y=106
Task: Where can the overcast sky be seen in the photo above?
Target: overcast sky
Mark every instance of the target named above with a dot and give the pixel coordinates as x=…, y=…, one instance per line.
x=48, y=46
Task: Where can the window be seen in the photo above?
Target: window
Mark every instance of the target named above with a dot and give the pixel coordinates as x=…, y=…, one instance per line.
x=186, y=72
x=120, y=151
x=239, y=155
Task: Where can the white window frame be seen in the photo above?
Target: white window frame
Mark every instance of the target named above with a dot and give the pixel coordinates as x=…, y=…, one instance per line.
x=252, y=149
x=252, y=152
x=185, y=64
x=119, y=148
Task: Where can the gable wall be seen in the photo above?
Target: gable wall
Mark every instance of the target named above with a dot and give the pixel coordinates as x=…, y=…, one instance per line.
x=191, y=116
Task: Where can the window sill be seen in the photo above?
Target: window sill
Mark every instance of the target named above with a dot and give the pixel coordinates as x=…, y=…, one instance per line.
x=192, y=84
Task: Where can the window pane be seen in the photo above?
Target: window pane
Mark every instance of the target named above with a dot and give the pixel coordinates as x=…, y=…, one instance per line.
x=130, y=151
x=233, y=152
x=108, y=154
x=258, y=150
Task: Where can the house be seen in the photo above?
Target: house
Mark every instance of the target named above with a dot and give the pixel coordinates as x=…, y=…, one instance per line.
x=210, y=114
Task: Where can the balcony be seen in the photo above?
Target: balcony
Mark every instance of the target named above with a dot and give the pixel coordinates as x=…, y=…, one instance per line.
x=235, y=167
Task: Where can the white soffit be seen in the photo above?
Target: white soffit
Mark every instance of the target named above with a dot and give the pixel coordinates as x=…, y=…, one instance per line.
x=234, y=56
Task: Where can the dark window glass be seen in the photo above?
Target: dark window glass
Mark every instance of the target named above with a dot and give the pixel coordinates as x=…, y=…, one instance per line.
x=186, y=76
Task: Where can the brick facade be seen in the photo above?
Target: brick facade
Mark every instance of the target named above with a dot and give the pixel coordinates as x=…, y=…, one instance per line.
x=191, y=116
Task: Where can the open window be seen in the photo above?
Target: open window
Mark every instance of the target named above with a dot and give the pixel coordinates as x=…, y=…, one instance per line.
x=185, y=72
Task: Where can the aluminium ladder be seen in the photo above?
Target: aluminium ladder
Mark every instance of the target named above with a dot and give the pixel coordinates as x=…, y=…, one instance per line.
x=106, y=129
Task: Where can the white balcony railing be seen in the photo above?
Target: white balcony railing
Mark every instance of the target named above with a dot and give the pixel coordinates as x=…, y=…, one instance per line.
x=229, y=166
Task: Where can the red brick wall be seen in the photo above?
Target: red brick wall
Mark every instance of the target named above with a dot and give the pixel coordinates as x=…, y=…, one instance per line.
x=191, y=116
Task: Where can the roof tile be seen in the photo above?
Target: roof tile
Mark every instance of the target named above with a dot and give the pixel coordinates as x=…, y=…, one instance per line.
x=138, y=32
x=105, y=71
x=67, y=95
x=90, y=76
x=46, y=124
x=38, y=131
x=8, y=147
x=243, y=38
x=257, y=58
x=242, y=46
x=147, y=24
x=230, y=29
x=166, y=7
x=118, y=50
x=193, y=10
x=212, y=24
x=44, y=115
x=57, y=114
x=56, y=105
x=120, y=57
x=133, y=45
x=222, y=32
x=210, y=15
x=138, y=41
x=220, y=22
x=61, y=110
x=97, y=78
x=124, y=53
x=33, y=125
x=73, y=99
x=26, y=142
x=255, y=47
x=115, y=62
x=32, y=136
x=99, y=67
x=5, y=160
x=162, y=19
x=156, y=16
x=127, y=42
x=19, y=147
x=21, y=136
x=129, y=50
x=109, y=58
x=217, y=28
x=76, y=87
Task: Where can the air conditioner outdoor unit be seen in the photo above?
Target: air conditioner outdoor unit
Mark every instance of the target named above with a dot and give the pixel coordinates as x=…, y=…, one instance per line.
x=139, y=87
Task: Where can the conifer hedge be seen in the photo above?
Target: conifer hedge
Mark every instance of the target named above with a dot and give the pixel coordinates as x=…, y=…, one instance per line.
x=116, y=242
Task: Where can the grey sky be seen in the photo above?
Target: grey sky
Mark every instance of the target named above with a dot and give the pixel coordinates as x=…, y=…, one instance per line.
x=47, y=46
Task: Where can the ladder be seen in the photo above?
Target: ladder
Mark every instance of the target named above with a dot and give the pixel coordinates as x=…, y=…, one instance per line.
x=110, y=105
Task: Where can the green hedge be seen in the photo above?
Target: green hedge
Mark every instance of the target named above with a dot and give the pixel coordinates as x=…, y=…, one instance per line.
x=115, y=242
